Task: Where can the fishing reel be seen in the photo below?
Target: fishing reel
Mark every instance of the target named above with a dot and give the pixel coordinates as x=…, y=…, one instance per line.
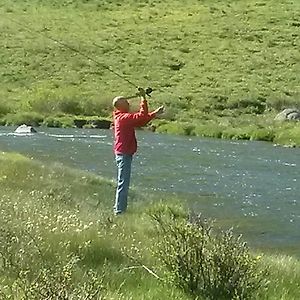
x=143, y=93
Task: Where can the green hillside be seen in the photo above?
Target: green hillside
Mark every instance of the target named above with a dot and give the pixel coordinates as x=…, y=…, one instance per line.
x=222, y=68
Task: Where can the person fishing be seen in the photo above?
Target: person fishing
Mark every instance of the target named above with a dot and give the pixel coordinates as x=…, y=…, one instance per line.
x=125, y=143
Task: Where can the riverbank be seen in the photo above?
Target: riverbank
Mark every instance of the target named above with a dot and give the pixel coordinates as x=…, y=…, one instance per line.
x=58, y=234
x=221, y=69
x=250, y=128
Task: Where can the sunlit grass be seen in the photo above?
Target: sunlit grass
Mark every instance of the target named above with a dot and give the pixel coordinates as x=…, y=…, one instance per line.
x=218, y=61
x=58, y=232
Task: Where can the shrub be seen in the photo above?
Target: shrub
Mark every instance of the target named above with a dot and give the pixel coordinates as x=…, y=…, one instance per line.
x=204, y=263
x=4, y=109
x=59, y=121
x=177, y=128
x=70, y=106
x=28, y=118
x=256, y=106
x=97, y=107
x=51, y=105
x=282, y=103
x=36, y=263
x=263, y=135
x=209, y=130
x=57, y=281
x=237, y=134
x=52, y=122
x=288, y=136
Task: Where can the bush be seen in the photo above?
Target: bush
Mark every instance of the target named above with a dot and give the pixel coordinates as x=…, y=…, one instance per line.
x=51, y=105
x=177, y=128
x=205, y=263
x=237, y=134
x=70, y=106
x=57, y=281
x=209, y=130
x=97, y=107
x=256, y=106
x=28, y=118
x=288, y=136
x=280, y=104
x=59, y=121
x=53, y=122
x=4, y=109
x=262, y=134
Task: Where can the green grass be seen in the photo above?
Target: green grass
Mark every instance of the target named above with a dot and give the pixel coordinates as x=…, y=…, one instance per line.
x=59, y=220
x=57, y=213
x=218, y=62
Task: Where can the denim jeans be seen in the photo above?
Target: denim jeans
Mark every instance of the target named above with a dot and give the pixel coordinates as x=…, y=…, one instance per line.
x=124, y=171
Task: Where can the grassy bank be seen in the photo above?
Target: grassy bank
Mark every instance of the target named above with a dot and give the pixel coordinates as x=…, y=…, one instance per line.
x=222, y=69
x=58, y=236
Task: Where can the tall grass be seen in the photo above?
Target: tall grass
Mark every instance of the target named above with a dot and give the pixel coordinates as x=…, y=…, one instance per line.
x=60, y=240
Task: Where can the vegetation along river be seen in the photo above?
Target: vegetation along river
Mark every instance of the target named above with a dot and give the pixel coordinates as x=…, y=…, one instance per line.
x=251, y=186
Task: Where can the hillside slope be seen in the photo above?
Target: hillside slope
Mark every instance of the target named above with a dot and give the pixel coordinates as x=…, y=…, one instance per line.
x=225, y=65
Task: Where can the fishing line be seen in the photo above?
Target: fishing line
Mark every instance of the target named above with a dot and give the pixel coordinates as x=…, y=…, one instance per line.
x=108, y=68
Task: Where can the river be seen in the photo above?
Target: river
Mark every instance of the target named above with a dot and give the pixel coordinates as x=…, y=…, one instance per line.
x=251, y=186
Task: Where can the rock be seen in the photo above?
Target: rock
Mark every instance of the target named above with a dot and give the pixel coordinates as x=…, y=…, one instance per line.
x=97, y=123
x=152, y=127
x=79, y=123
x=25, y=129
x=100, y=124
x=288, y=114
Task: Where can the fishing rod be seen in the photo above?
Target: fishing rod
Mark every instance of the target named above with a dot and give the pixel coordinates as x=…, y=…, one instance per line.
x=141, y=91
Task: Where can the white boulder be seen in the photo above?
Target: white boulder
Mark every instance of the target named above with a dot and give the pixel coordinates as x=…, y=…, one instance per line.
x=25, y=129
x=288, y=114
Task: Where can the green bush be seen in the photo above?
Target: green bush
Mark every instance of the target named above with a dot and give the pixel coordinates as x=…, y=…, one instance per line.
x=177, y=128
x=96, y=107
x=209, y=130
x=52, y=122
x=30, y=276
x=4, y=109
x=263, y=134
x=288, y=136
x=70, y=106
x=205, y=263
x=256, y=106
x=237, y=134
x=282, y=103
x=56, y=105
x=28, y=118
x=59, y=121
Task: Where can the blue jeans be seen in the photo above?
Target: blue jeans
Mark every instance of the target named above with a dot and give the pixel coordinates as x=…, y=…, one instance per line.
x=124, y=171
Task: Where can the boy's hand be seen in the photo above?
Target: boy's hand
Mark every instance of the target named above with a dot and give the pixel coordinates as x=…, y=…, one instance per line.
x=142, y=92
x=159, y=110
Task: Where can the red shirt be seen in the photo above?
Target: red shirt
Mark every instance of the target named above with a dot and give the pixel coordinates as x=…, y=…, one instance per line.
x=124, y=124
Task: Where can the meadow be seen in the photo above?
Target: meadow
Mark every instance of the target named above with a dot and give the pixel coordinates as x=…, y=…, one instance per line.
x=60, y=240
x=222, y=69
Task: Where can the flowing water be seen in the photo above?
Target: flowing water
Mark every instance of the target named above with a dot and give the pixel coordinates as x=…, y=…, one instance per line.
x=252, y=186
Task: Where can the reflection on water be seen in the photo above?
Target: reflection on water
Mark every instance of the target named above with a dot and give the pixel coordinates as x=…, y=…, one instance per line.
x=253, y=186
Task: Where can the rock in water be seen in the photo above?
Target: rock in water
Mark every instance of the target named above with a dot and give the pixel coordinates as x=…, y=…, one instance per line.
x=25, y=129
x=288, y=114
